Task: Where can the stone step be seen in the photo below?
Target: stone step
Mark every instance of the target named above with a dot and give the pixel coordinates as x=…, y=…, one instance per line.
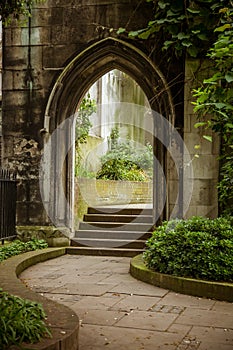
x=108, y=243
x=103, y=251
x=109, y=234
x=119, y=211
x=116, y=226
x=118, y=218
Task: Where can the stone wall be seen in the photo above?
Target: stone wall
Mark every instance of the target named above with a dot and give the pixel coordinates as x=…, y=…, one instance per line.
x=95, y=193
x=33, y=59
x=205, y=158
x=35, y=55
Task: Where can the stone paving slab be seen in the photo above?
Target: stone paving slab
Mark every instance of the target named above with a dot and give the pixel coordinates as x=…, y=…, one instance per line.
x=139, y=288
x=214, y=334
x=118, y=312
x=96, y=303
x=187, y=301
x=114, y=338
x=135, y=302
x=205, y=318
x=83, y=288
x=147, y=320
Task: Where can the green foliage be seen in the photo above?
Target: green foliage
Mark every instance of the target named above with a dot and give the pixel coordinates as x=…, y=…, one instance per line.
x=83, y=124
x=82, y=128
x=20, y=321
x=184, y=26
x=214, y=104
x=125, y=162
x=197, y=248
x=18, y=247
x=82, y=172
x=15, y=9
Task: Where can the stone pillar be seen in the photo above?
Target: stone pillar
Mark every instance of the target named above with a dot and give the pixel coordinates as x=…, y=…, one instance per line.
x=204, y=159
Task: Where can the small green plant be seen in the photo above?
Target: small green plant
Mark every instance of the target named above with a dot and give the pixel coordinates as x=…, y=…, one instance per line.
x=83, y=123
x=125, y=162
x=82, y=128
x=19, y=247
x=20, y=321
x=197, y=248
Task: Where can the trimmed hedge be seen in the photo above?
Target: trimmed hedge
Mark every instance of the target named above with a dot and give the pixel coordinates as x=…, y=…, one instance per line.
x=197, y=248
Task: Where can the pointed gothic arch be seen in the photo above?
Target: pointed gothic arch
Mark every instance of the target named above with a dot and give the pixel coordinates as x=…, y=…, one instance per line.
x=72, y=84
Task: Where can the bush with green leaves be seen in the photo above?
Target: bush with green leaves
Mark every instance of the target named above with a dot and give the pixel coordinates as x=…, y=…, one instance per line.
x=18, y=247
x=20, y=321
x=197, y=248
x=124, y=161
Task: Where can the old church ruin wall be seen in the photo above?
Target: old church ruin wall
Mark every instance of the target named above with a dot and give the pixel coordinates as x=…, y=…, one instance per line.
x=36, y=54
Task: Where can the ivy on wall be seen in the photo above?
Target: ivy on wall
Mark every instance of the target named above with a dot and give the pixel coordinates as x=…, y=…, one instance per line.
x=214, y=104
x=202, y=29
x=183, y=25
x=14, y=9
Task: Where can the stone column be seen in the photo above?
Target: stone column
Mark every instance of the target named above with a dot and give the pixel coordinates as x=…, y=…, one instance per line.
x=205, y=158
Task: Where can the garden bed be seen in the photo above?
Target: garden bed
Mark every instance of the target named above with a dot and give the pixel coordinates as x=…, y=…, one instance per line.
x=63, y=322
x=190, y=286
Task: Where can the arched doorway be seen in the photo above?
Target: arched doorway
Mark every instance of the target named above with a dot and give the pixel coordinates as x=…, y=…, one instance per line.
x=71, y=86
x=113, y=147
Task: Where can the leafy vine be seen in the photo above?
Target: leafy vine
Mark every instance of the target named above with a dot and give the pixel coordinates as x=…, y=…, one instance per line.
x=184, y=25
x=202, y=29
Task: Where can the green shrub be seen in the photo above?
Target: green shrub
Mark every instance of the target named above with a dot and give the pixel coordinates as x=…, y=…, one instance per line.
x=125, y=162
x=18, y=247
x=20, y=321
x=198, y=248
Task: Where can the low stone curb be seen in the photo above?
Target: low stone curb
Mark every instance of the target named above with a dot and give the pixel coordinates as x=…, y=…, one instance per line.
x=200, y=288
x=62, y=321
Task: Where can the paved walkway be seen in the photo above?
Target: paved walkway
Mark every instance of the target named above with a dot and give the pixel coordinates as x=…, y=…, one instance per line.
x=118, y=312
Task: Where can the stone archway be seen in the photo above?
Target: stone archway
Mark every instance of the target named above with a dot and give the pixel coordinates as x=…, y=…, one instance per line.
x=70, y=87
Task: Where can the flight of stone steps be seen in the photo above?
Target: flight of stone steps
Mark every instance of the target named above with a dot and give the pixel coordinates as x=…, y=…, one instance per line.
x=113, y=231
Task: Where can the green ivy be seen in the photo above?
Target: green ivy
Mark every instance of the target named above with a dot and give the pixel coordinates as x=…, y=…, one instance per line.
x=15, y=9
x=214, y=104
x=184, y=25
x=198, y=248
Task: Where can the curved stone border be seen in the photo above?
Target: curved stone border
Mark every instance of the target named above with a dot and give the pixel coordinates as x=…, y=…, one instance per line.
x=200, y=288
x=63, y=322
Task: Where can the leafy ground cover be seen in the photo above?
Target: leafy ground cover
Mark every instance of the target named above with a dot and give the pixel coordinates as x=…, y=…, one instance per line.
x=197, y=248
x=19, y=247
x=20, y=320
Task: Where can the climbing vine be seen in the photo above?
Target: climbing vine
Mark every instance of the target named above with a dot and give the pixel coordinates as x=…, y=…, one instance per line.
x=214, y=104
x=203, y=29
x=14, y=9
x=184, y=25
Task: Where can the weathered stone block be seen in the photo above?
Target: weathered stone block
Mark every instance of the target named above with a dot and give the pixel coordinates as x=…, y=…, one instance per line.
x=16, y=57
x=57, y=56
x=8, y=80
x=54, y=236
